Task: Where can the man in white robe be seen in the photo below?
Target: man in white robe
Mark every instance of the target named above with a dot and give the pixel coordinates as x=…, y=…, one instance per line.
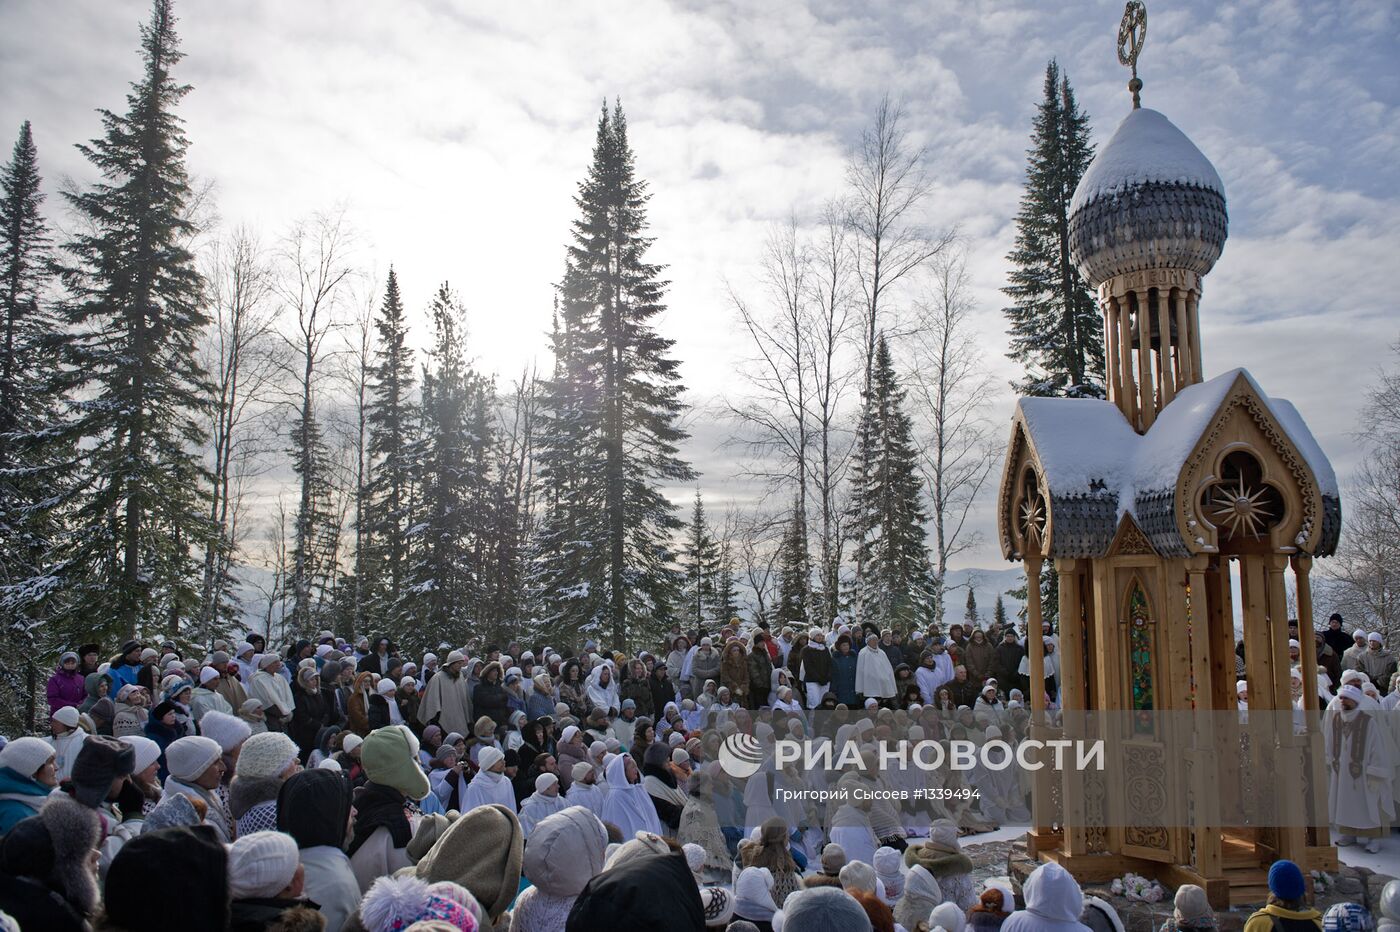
x=490, y=785
x=544, y=802
x=874, y=675
x=1359, y=776
x=584, y=790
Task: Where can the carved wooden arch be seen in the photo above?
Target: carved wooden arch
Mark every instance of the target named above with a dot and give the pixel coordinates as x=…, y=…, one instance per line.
x=1244, y=423
x=1022, y=469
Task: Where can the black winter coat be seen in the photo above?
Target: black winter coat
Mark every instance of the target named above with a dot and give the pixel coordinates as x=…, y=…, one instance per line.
x=490, y=699
x=311, y=713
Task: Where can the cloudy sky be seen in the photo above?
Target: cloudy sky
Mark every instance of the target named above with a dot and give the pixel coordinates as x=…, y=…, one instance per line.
x=454, y=133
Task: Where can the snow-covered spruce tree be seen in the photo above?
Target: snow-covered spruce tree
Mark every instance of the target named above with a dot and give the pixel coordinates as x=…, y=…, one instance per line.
x=1054, y=321
x=452, y=454
x=609, y=420
x=392, y=416
x=970, y=614
x=27, y=525
x=794, y=573
x=726, y=594
x=999, y=614
x=893, y=585
x=130, y=371
x=699, y=563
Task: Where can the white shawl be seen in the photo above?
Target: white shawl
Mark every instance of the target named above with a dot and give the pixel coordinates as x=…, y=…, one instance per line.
x=487, y=788
x=628, y=805
x=273, y=690
x=603, y=697
x=874, y=675
x=536, y=807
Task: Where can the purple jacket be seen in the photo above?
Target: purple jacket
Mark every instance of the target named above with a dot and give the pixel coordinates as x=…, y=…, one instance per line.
x=65, y=689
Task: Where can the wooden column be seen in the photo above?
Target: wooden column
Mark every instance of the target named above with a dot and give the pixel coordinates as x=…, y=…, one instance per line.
x=1071, y=636
x=1205, y=770
x=1307, y=640
x=1164, y=351
x=1110, y=352
x=1193, y=312
x=1125, y=368
x=1144, y=354
x=1289, y=769
x=1035, y=647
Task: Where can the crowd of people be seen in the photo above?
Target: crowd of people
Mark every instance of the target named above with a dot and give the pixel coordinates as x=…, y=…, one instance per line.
x=336, y=785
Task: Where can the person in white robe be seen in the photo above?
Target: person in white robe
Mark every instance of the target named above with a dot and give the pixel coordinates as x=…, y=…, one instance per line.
x=490, y=785
x=544, y=802
x=1359, y=777
x=584, y=789
x=935, y=669
x=272, y=689
x=874, y=675
x=628, y=805
x=1001, y=798
x=603, y=688
x=850, y=824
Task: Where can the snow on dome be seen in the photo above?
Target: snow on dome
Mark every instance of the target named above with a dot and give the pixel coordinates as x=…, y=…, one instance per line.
x=1146, y=147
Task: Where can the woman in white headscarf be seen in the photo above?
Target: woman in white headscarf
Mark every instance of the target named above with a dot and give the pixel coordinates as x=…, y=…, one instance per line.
x=628, y=805
x=545, y=801
x=272, y=689
x=753, y=896
x=921, y=895
x=850, y=824
x=602, y=687
x=490, y=785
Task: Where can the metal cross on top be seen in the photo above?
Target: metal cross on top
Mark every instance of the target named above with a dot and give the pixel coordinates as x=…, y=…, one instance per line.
x=1132, y=33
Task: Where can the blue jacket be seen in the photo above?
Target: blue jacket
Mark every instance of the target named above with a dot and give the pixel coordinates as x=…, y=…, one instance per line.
x=123, y=675
x=843, y=677
x=20, y=798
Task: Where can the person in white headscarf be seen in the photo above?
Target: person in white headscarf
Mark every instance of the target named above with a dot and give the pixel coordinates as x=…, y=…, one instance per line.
x=490, y=785
x=1054, y=903
x=544, y=802
x=584, y=790
x=1359, y=775
x=921, y=895
x=850, y=824
x=874, y=675
x=603, y=688
x=628, y=805
x=753, y=896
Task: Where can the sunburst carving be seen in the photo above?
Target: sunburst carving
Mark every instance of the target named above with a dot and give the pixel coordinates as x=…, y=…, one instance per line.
x=1241, y=508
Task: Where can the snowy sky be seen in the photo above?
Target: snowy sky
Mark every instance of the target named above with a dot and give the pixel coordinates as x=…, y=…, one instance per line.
x=455, y=134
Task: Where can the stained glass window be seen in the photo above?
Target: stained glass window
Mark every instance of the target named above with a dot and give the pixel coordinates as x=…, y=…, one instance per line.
x=1140, y=659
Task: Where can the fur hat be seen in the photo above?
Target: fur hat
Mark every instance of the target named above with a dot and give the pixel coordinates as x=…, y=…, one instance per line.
x=482, y=851
x=390, y=757
x=101, y=760
x=188, y=757
x=266, y=754
x=26, y=755
x=261, y=865
x=395, y=903
x=74, y=831
x=228, y=731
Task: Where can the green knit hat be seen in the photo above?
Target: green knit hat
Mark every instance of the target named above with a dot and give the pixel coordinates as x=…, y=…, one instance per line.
x=390, y=757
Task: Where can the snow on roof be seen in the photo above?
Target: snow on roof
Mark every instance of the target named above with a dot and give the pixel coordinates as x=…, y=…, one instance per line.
x=1146, y=147
x=1080, y=442
x=1087, y=448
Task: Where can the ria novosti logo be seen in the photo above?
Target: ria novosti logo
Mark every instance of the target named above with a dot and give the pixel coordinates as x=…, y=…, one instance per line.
x=740, y=755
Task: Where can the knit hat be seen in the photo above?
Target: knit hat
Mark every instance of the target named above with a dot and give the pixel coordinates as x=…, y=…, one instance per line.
x=580, y=770
x=887, y=870
x=266, y=754
x=429, y=830
x=1286, y=880
x=350, y=742
x=261, y=865
x=146, y=751
x=718, y=904
x=544, y=781
x=26, y=755
x=1347, y=917
x=857, y=875
x=101, y=760
x=188, y=757
x=1191, y=904
x=390, y=758
x=694, y=856
x=833, y=859
x=385, y=687
x=228, y=731
x=455, y=656
x=1375, y=638
x=267, y=660
x=394, y=904
x=207, y=674
x=483, y=851
x=824, y=909
x=68, y=716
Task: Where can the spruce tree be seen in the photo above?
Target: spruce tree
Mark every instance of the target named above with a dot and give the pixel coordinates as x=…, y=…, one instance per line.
x=999, y=614
x=1055, y=325
x=794, y=573
x=726, y=593
x=893, y=586
x=700, y=564
x=130, y=371
x=391, y=417
x=27, y=474
x=970, y=615
x=610, y=420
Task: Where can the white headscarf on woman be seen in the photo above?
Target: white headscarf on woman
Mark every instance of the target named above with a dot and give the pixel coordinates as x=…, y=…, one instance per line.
x=628, y=805
x=603, y=697
x=753, y=894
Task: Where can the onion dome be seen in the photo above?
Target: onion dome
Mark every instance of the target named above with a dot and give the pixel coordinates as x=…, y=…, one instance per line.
x=1149, y=200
